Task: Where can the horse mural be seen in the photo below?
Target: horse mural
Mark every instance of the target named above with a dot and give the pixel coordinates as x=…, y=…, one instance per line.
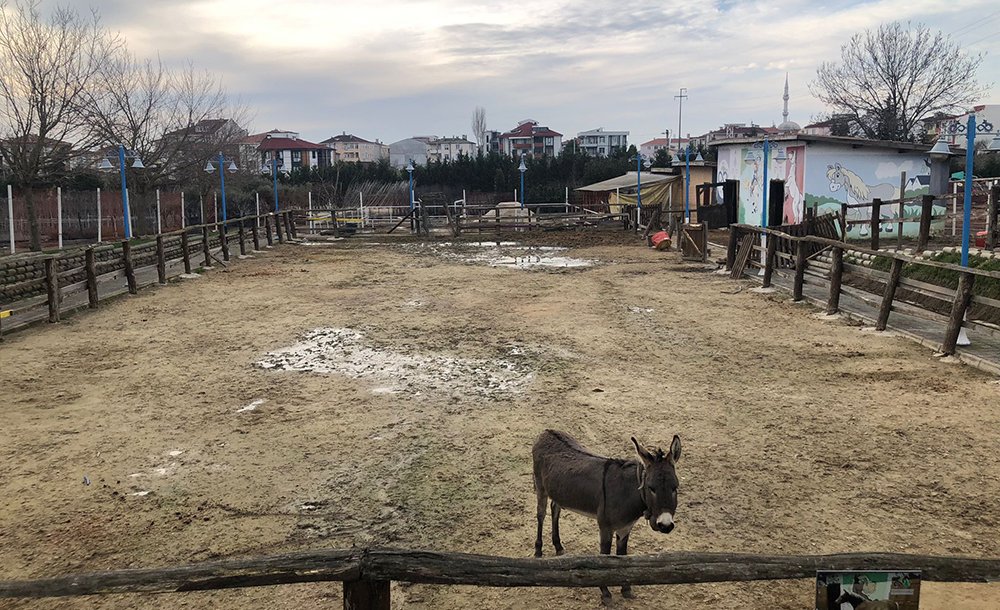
x=858, y=191
x=794, y=204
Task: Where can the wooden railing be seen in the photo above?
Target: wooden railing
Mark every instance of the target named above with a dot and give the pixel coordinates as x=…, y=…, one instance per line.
x=179, y=248
x=961, y=300
x=367, y=573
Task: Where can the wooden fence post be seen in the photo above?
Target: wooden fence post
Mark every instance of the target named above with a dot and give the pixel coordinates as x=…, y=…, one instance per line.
x=991, y=217
x=890, y=293
x=366, y=595
x=242, y=235
x=290, y=231
x=926, y=211
x=734, y=241
x=958, y=308
x=836, y=277
x=133, y=288
x=52, y=287
x=205, y=246
x=800, y=270
x=253, y=235
x=769, y=260
x=161, y=260
x=90, y=266
x=186, y=253
x=843, y=221
x=876, y=222
x=278, y=230
x=267, y=230
x=224, y=240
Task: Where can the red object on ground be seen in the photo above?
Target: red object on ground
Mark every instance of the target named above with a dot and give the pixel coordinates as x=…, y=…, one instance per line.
x=981, y=239
x=661, y=240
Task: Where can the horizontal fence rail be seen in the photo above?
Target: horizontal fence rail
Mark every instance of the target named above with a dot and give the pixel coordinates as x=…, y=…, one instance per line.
x=381, y=565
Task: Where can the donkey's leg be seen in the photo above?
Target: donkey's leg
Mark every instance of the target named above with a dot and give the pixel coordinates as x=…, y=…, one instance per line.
x=540, y=515
x=556, y=542
x=621, y=548
x=606, y=533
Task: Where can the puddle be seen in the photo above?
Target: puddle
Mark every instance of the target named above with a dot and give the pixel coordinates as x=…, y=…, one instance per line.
x=347, y=352
x=506, y=254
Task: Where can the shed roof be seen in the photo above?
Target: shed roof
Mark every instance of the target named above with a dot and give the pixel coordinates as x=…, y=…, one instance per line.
x=627, y=181
x=842, y=140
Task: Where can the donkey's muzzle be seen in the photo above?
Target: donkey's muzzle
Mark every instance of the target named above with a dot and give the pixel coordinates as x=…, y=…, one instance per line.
x=663, y=524
x=663, y=529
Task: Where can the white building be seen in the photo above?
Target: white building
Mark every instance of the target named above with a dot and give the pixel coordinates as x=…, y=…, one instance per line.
x=421, y=149
x=952, y=128
x=600, y=143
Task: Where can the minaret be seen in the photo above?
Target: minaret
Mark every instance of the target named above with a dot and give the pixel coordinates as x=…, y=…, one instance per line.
x=784, y=114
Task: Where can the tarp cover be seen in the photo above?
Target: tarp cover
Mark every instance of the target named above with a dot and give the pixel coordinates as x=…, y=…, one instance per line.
x=628, y=181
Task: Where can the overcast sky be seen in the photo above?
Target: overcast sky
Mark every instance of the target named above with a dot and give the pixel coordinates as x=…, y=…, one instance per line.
x=390, y=69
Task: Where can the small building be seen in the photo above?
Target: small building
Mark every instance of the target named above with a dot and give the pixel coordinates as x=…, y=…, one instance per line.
x=648, y=149
x=601, y=143
x=349, y=148
x=823, y=172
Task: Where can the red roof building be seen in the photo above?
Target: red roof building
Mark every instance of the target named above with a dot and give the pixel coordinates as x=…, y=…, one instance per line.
x=529, y=138
x=292, y=152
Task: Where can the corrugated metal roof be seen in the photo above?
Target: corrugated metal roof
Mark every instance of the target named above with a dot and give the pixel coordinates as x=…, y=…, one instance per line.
x=627, y=181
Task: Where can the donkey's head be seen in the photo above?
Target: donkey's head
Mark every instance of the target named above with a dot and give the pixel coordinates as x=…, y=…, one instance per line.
x=658, y=484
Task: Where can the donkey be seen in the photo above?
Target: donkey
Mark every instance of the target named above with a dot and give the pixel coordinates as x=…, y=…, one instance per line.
x=860, y=603
x=615, y=492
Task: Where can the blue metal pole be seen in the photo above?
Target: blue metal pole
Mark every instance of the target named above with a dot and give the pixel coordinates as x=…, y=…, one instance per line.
x=970, y=153
x=763, y=216
x=125, y=210
x=222, y=180
x=522, y=190
x=687, y=185
x=411, y=188
x=274, y=171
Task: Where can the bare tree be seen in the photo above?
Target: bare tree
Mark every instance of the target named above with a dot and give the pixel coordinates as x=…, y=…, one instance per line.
x=479, y=125
x=48, y=64
x=890, y=77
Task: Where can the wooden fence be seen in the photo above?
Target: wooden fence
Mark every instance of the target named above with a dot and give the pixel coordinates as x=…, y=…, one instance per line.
x=366, y=573
x=743, y=239
x=103, y=267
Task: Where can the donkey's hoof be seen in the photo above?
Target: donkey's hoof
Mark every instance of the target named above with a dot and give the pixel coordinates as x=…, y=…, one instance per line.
x=560, y=551
x=538, y=552
x=607, y=601
x=627, y=593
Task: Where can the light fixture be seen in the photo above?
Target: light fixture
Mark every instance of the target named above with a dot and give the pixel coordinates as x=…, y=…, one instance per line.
x=522, y=168
x=409, y=166
x=941, y=149
x=105, y=165
x=209, y=168
x=781, y=157
x=994, y=143
x=699, y=158
x=232, y=167
x=137, y=164
x=749, y=157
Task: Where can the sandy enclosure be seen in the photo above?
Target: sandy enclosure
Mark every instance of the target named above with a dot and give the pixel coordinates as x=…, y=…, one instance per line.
x=360, y=393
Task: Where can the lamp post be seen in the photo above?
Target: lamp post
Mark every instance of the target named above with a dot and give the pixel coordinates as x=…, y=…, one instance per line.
x=522, y=168
x=765, y=147
x=105, y=165
x=971, y=130
x=209, y=168
x=409, y=170
x=640, y=160
x=687, y=183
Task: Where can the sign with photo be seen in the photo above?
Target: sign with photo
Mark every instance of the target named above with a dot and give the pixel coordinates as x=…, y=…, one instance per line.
x=877, y=590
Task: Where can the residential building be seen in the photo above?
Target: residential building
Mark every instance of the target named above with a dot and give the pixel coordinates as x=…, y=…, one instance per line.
x=530, y=138
x=649, y=148
x=952, y=127
x=421, y=149
x=492, y=144
x=600, y=143
x=291, y=151
x=349, y=148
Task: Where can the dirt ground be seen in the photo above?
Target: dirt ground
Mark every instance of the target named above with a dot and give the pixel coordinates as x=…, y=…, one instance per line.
x=800, y=435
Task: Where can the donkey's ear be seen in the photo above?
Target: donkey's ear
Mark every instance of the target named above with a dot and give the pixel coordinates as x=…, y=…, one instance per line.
x=646, y=457
x=675, y=449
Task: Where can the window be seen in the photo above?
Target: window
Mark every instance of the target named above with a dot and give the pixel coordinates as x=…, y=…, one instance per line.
x=296, y=156
x=548, y=141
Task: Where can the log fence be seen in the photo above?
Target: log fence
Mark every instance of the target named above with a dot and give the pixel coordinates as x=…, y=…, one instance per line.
x=744, y=238
x=99, y=269
x=366, y=574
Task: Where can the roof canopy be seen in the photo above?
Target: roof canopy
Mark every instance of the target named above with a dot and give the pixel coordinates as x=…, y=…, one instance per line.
x=627, y=181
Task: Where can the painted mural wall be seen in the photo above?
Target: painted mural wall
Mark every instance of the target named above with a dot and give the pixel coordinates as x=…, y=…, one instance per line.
x=732, y=164
x=838, y=174
x=822, y=176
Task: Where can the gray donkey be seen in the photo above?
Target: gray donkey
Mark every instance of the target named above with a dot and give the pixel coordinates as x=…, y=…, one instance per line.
x=615, y=492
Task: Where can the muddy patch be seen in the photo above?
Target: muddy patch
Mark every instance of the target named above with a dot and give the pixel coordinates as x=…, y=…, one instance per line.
x=506, y=254
x=347, y=352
